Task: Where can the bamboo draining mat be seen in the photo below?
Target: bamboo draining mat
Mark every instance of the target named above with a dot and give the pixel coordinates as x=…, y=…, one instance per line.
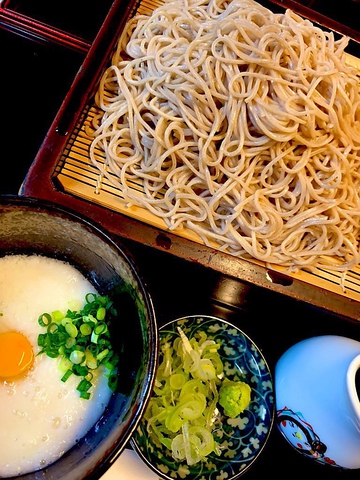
x=80, y=178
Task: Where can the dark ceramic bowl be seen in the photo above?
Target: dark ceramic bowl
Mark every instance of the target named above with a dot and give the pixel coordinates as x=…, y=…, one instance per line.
x=29, y=226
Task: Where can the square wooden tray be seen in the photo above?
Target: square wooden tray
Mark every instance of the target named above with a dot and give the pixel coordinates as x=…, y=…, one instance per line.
x=62, y=172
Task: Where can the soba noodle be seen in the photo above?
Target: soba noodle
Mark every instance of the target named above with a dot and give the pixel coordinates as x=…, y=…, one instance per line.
x=239, y=124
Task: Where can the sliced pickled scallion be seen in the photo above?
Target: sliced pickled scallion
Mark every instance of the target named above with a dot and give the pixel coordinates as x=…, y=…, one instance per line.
x=183, y=413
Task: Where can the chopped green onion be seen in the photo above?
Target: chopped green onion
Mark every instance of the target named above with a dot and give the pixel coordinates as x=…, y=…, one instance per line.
x=112, y=382
x=84, y=385
x=90, y=297
x=64, y=364
x=41, y=341
x=57, y=316
x=80, y=370
x=94, y=337
x=90, y=319
x=70, y=342
x=100, y=328
x=77, y=356
x=100, y=357
x=71, y=330
x=82, y=339
x=85, y=329
x=100, y=314
x=52, y=328
x=44, y=320
x=91, y=361
x=66, y=375
x=85, y=395
x=52, y=353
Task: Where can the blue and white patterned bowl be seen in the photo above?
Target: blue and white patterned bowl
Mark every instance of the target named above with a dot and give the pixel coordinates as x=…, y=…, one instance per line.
x=241, y=439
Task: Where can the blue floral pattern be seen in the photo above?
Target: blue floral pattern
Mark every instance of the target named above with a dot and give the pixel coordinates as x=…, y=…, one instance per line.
x=241, y=439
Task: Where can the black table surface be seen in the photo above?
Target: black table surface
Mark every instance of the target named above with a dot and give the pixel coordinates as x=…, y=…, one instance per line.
x=35, y=76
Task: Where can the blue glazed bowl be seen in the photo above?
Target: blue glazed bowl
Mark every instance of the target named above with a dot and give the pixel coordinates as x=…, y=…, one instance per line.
x=241, y=439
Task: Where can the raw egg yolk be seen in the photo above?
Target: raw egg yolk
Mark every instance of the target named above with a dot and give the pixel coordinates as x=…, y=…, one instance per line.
x=16, y=354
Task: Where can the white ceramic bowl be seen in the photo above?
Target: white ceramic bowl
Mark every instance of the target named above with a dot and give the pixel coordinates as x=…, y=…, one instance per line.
x=317, y=403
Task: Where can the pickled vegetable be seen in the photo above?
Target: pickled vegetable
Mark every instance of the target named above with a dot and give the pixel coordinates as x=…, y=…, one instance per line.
x=183, y=412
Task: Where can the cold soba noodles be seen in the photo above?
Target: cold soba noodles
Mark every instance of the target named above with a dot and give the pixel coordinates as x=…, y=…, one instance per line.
x=240, y=125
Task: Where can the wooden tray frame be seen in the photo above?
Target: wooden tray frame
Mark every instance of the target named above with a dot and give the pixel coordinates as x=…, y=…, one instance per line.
x=61, y=173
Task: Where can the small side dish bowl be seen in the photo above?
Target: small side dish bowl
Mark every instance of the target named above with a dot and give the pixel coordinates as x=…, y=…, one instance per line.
x=33, y=227
x=241, y=439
